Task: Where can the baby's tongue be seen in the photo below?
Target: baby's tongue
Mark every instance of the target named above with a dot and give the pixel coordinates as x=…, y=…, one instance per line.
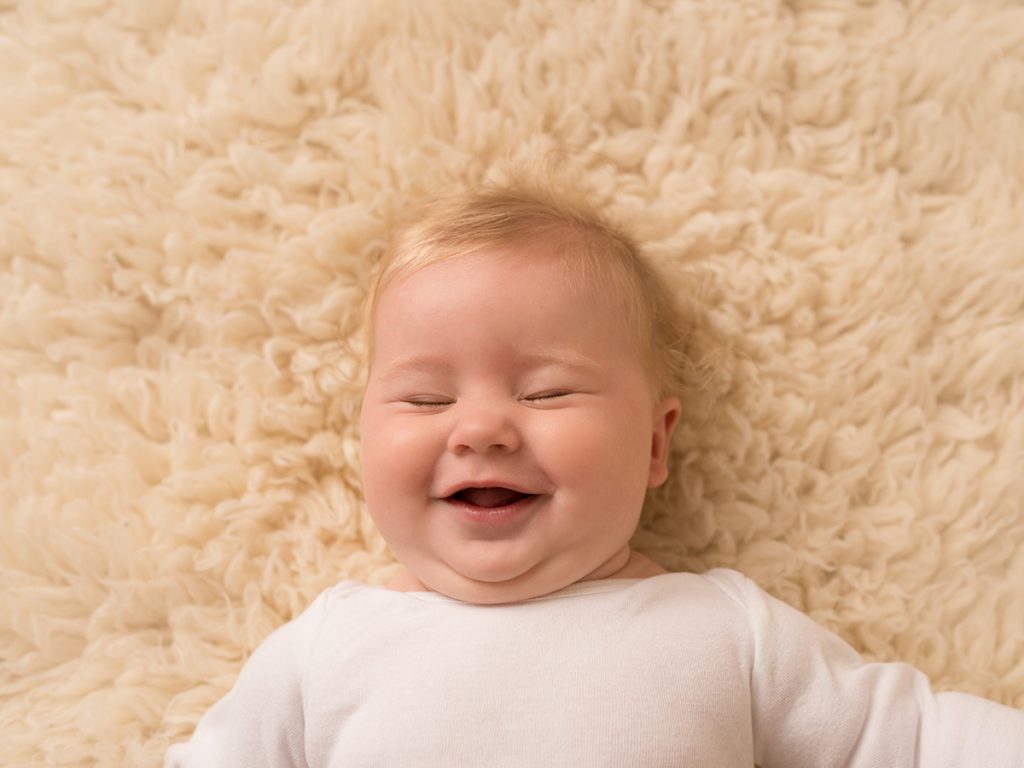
x=489, y=497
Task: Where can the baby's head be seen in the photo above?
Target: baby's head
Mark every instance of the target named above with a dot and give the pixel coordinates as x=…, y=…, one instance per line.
x=524, y=368
x=592, y=252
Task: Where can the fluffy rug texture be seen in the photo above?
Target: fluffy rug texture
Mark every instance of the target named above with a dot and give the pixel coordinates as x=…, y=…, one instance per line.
x=193, y=197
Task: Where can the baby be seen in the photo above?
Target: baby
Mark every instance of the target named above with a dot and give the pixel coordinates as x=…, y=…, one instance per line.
x=525, y=366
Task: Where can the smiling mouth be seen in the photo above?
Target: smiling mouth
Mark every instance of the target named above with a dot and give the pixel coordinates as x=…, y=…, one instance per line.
x=489, y=498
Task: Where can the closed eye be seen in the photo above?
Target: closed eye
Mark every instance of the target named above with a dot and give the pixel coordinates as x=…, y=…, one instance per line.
x=548, y=395
x=426, y=402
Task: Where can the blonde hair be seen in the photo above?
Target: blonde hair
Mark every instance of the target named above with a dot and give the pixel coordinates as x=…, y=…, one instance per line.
x=595, y=251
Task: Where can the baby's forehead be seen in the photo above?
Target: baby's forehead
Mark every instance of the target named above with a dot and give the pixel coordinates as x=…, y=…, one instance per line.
x=558, y=296
x=531, y=310
x=567, y=279
x=573, y=268
x=575, y=273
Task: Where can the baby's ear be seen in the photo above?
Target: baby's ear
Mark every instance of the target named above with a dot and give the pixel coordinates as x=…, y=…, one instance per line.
x=666, y=416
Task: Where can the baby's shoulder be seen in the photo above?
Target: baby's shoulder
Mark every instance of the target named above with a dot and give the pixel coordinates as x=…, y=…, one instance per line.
x=720, y=583
x=341, y=596
x=342, y=590
x=721, y=595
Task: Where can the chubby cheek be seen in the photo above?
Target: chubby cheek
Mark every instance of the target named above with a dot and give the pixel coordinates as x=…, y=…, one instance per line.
x=399, y=457
x=601, y=461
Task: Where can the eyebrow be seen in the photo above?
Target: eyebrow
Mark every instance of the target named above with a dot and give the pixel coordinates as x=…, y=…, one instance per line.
x=419, y=362
x=411, y=363
x=561, y=358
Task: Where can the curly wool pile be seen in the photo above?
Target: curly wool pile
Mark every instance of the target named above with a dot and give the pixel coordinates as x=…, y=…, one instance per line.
x=194, y=193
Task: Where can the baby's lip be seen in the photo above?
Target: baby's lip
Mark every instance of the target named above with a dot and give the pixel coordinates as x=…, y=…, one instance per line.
x=450, y=491
x=489, y=498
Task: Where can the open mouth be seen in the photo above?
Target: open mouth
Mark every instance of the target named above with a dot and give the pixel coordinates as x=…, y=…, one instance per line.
x=494, y=510
x=489, y=498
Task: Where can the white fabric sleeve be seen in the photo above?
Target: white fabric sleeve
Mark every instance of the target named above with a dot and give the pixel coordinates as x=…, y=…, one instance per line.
x=816, y=703
x=260, y=720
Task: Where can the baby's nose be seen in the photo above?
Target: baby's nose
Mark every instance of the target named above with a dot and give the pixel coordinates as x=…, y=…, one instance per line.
x=482, y=429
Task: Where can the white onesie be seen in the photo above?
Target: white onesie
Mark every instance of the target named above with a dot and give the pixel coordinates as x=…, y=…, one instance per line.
x=675, y=670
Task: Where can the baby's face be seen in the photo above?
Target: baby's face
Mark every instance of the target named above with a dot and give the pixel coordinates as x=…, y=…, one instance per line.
x=508, y=427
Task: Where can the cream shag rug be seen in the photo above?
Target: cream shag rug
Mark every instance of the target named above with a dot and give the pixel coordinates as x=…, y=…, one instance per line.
x=193, y=194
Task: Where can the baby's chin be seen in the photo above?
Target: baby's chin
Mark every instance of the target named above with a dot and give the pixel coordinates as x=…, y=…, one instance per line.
x=489, y=586
x=471, y=588
x=496, y=593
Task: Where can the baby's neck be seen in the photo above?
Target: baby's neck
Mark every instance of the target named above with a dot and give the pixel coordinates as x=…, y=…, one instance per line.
x=637, y=567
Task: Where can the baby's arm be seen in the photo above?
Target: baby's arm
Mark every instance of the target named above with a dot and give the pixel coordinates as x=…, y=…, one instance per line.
x=260, y=721
x=816, y=703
